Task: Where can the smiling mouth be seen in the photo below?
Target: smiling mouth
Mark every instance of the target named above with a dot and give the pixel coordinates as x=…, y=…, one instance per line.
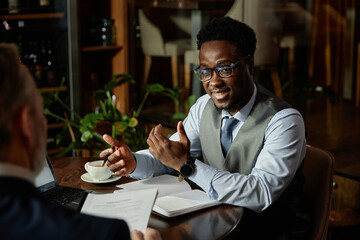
x=220, y=94
x=219, y=90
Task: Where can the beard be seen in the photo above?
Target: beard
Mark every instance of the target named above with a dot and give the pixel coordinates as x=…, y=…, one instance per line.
x=232, y=107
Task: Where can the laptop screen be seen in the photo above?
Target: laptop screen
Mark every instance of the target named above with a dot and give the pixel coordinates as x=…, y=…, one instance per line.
x=46, y=179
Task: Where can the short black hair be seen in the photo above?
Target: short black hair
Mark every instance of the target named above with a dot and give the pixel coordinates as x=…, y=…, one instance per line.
x=229, y=29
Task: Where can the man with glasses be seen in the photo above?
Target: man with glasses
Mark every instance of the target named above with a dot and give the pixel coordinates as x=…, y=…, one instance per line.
x=239, y=143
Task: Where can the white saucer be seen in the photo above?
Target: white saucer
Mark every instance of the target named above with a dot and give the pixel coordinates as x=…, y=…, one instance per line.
x=87, y=178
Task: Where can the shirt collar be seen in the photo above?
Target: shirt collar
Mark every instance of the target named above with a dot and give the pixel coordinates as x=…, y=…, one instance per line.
x=9, y=170
x=243, y=113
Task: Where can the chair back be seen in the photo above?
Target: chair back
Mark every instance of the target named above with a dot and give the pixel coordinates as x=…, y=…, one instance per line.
x=318, y=170
x=236, y=11
x=267, y=49
x=152, y=42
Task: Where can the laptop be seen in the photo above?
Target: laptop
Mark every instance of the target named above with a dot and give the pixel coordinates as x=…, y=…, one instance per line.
x=47, y=183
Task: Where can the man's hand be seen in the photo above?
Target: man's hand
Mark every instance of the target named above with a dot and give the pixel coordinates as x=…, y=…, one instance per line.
x=120, y=158
x=172, y=154
x=150, y=234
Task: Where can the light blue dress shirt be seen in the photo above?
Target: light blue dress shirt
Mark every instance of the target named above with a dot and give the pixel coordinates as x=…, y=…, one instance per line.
x=283, y=151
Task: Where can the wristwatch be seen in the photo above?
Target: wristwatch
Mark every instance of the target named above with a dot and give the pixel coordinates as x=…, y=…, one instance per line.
x=188, y=168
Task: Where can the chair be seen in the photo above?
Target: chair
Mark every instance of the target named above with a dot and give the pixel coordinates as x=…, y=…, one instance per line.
x=267, y=50
x=318, y=171
x=153, y=45
x=267, y=53
x=190, y=57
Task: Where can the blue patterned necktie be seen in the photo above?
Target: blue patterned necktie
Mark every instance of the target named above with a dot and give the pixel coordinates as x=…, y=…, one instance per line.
x=226, y=134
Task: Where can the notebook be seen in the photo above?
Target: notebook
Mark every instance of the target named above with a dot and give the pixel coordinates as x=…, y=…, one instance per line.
x=47, y=183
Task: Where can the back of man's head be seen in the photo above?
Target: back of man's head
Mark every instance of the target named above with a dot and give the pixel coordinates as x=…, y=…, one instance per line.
x=228, y=29
x=13, y=94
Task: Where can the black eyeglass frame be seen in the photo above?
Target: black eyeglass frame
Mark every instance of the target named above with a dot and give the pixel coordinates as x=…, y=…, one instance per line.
x=217, y=69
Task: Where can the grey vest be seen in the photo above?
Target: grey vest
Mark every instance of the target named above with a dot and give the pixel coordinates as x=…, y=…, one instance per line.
x=248, y=143
x=243, y=154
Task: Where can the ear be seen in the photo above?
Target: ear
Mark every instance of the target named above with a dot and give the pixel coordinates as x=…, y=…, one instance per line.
x=250, y=67
x=26, y=126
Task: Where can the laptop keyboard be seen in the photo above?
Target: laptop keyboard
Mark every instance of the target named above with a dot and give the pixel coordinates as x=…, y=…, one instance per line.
x=65, y=195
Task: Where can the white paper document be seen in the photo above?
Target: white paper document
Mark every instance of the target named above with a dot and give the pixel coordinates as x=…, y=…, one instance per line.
x=132, y=206
x=165, y=184
x=182, y=203
x=175, y=198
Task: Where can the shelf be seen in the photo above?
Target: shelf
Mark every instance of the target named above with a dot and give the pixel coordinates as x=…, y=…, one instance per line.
x=33, y=16
x=53, y=89
x=101, y=48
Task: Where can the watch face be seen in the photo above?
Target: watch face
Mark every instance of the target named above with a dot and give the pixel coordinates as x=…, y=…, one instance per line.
x=186, y=170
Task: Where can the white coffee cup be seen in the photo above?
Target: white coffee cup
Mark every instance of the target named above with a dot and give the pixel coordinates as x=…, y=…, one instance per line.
x=97, y=171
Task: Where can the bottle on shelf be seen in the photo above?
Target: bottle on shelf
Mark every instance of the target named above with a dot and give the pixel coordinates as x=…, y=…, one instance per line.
x=37, y=65
x=107, y=32
x=50, y=72
x=39, y=57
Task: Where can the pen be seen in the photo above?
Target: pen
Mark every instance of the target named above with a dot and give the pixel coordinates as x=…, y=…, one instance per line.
x=107, y=157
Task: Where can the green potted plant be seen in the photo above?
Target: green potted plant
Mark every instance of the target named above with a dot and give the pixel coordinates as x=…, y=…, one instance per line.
x=107, y=119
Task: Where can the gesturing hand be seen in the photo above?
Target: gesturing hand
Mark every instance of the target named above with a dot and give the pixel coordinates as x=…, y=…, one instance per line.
x=120, y=159
x=171, y=153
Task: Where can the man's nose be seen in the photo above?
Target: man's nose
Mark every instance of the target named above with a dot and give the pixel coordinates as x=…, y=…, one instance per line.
x=215, y=79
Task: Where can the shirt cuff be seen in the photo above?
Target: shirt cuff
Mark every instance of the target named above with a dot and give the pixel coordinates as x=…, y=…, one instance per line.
x=203, y=177
x=141, y=166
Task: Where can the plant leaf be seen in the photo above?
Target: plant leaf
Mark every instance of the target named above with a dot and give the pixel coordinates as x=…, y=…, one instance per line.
x=114, y=82
x=103, y=108
x=155, y=88
x=120, y=126
x=86, y=136
x=133, y=122
x=179, y=116
x=191, y=101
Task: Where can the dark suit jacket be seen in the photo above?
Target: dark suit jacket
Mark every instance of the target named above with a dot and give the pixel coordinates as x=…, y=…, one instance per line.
x=25, y=214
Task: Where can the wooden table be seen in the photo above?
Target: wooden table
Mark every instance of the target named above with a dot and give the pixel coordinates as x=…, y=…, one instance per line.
x=220, y=222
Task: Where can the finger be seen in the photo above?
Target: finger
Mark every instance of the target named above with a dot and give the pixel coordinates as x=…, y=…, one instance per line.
x=151, y=134
x=106, y=152
x=150, y=142
x=152, y=234
x=158, y=132
x=181, y=132
x=180, y=126
x=122, y=171
x=136, y=235
x=111, y=141
x=123, y=151
x=117, y=166
x=114, y=157
x=150, y=137
x=152, y=145
x=157, y=129
x=159, y=136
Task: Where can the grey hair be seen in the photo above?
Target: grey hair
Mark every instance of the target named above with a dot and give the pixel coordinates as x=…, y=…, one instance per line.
x=13, y=89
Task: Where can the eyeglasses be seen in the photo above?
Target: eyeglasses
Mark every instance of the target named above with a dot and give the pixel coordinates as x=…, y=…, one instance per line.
x=224, y=70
